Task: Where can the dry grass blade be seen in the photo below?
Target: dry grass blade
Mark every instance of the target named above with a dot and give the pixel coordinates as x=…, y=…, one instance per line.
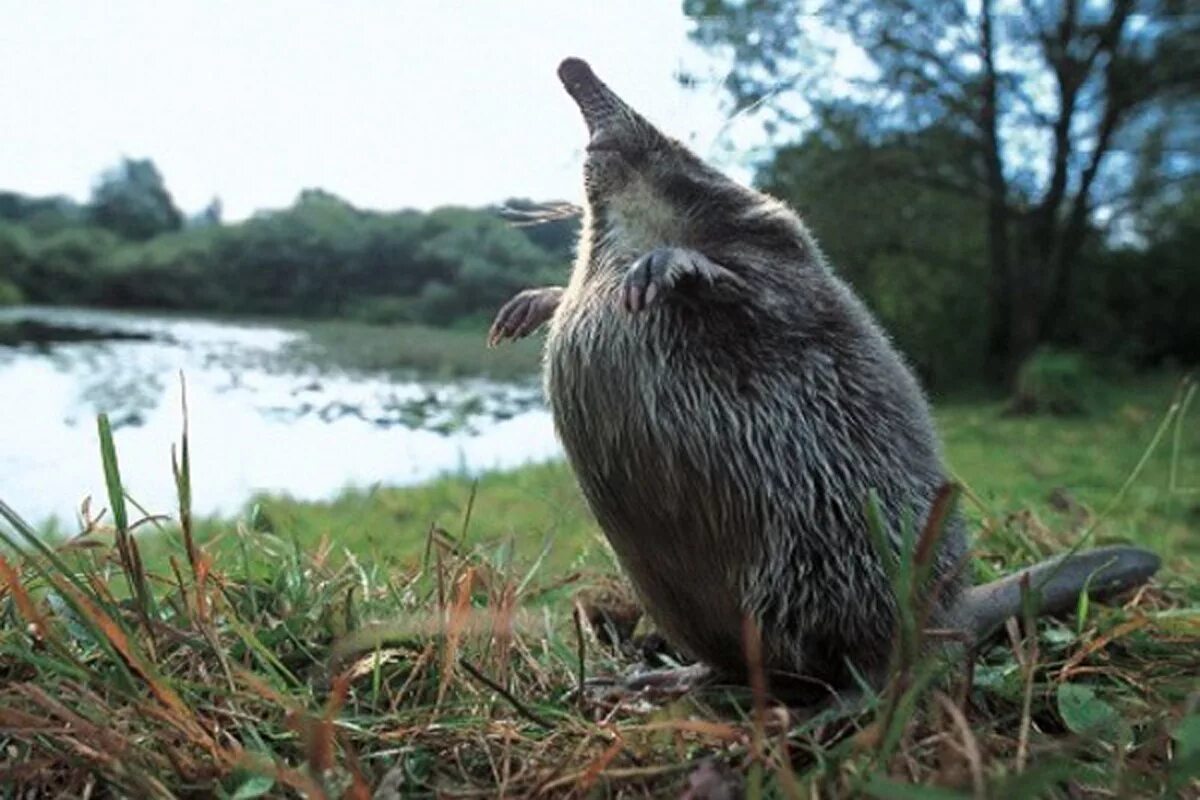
x=588, y=779
x=507, y=695
x=970, y=745
x=459, y=616
x=1099, y=643
x=116, y=636
x=10, y=582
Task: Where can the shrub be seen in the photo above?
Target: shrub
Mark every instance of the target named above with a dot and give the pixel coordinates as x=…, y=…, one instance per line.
x=1054, y=382
x=385, y=310
x=65, y=266
x=10, y=295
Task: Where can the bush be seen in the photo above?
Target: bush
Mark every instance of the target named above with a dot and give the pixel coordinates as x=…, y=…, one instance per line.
x=65, y=267
x=386, y=310
x=1140, y=304
x=10, y=295
x=932, y=312
x=1054, y=382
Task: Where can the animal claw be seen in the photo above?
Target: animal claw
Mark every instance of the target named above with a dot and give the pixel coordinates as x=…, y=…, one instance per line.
x=521, y=315
x=647, y=279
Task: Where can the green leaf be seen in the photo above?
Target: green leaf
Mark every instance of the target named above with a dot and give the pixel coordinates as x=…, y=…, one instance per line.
x=1185, y=766
x=254, y=786
x=1084, y=712
x=1002, y=679
x=1059, y=635
x=880, y=786
x=1187, y=736
x=112, y=474
x=1081, y=608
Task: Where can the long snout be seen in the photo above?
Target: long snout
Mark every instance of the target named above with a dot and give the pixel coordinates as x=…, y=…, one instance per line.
x=599, y=105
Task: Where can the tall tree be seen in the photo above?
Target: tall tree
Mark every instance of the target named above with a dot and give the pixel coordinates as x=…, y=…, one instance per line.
x=915, y=253
x=132, y=201
x=1056, y=98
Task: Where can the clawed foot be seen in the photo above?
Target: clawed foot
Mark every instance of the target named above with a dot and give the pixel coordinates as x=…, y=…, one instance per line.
x=653, y=684
x=524, y=313
x=660, y=270
x=675, y=679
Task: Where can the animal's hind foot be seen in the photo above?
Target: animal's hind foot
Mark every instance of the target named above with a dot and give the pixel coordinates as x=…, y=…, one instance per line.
x=649, y=684
x=673, y=679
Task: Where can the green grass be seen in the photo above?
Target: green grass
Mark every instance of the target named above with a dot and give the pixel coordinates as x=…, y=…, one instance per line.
x=320, y=649
x=1061, y=476
x=525, y=510
x=437, y=352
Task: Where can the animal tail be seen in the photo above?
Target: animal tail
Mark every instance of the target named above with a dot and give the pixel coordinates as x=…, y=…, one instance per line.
x=1104, y=571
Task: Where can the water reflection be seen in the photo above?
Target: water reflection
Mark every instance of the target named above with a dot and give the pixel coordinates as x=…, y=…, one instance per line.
x=260, y=421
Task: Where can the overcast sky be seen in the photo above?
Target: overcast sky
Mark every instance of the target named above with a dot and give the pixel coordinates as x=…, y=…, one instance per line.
x=388, y=104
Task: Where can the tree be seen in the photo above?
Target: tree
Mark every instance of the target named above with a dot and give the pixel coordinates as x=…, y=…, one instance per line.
x=41, y=215
x=1055, y=98
x=132, y=201
x=915, y=253
x=16, y=253
x=210, y=217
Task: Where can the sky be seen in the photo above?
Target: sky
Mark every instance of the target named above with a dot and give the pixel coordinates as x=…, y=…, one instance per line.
x=388, y=104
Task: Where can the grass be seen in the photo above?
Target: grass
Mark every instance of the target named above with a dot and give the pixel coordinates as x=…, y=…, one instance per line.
x=1059, y=476
x=430, y=351
x=523, y=510
x=321, y=650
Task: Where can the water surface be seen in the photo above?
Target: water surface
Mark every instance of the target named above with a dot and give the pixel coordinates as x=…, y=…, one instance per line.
x=260, y=419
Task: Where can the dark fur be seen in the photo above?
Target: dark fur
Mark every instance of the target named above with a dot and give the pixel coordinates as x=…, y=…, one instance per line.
x=726, y=435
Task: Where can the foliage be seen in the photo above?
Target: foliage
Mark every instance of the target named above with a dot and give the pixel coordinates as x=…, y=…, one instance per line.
x=1139, y=303
x=64, y=266
x=1054, y=382
x=1052, y=112
x=10, y=295
x=40, y=215
x=16, y=253
x=917, y=253
x=320, y=258
x=914, y=253
x=132, y=201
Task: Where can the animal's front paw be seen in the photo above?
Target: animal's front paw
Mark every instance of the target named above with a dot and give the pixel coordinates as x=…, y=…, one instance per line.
x=651, y=276
x=661, y=270
x=522, y=315
x=645, y=280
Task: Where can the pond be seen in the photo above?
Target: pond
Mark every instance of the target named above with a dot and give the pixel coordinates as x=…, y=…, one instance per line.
x=261, y=419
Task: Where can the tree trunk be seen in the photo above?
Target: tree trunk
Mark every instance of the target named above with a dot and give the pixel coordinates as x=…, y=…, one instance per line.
x=1001, y=289
x=1025, y=328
